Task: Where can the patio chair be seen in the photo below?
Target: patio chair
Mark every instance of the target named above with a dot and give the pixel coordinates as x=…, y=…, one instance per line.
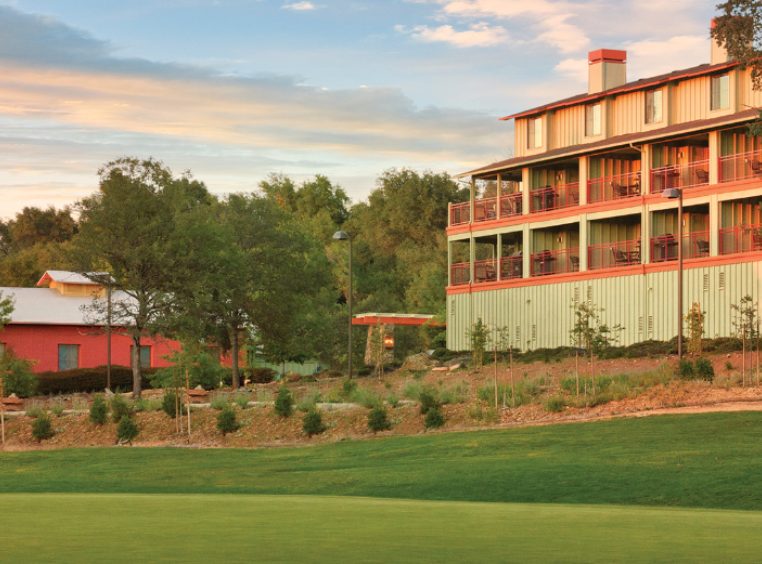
x=702, y=248
x=620, y=257
x=703, y=176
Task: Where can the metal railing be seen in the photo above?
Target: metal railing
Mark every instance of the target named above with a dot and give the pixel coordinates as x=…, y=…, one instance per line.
x=664, y=247
x=511, y=267
x=460, y=213
x=557, y=261
x=613, y=254
x=510, y=204
x=554, y=197
x=485, y=271
x=741, y=166
x=485, y=209
x=688, y=175
x=460, y=273
x=740, y=239
x=614, y=187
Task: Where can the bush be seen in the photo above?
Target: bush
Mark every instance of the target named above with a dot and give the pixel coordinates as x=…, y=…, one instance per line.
x=348, y=388
x=219, y=402
x=260, y=375
x=312, y=424
x=42, y=428
x=428, y=401
x=203, y=368
x=99, y=411
x=366, y=398
x=685, y=369
x=241, y=400
x=284, y=402
x=119, y=408
x=57, y=409
x=555, y=404
x=88, y=380
x=308, y=402
x=169, y=404
x=704, y=369
x=127, y=430
x=434, y=418
x=227, y=422
x=392, y=400
x=378, y=420
x=143, y=404
x=17, y=376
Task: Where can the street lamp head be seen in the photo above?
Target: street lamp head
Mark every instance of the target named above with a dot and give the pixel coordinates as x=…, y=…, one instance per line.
x=669, y=193
x=341, y=236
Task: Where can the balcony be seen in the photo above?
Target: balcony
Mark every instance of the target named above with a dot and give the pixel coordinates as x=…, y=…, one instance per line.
x=695, y=173
x=740, y=239
x=510, y=204
x=549, y=198
x=557, y=261
x=485, y=271
x=511, y=267
x=741, y=166
x=664, y=247
x=485, y=209
x=460, y=213
x=613, y=254
x=615, y=187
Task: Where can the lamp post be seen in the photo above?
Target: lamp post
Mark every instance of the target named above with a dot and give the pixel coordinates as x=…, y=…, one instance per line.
x=677, y=193
x=344, y=236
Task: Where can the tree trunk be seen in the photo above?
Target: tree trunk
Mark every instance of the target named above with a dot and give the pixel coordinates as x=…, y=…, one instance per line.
x=137, y=370
x=234, y=352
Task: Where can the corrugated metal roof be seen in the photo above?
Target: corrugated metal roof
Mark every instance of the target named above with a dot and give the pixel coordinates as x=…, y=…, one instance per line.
x=45, y=306
x=67, y=277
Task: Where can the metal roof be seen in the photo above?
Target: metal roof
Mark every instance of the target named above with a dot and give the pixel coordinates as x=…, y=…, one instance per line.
x=46, y=306
x=67, y=277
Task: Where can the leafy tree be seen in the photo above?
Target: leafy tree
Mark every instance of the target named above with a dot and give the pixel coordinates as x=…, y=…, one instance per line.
x=695, y=321
x=17, y=376
x=478, y=335
x=592, y=335
x=746, y=325
x=33, y=226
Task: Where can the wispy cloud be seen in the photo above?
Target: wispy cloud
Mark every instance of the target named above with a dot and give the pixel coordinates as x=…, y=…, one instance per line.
x=476, y=35
x=300, y=6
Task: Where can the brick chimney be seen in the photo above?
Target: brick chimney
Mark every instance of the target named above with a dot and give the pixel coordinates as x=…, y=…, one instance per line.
x=607, y=68
x=718, y=54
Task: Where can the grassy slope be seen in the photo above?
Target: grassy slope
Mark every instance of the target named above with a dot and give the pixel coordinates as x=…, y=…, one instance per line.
x=712, y=461
x=213, y=528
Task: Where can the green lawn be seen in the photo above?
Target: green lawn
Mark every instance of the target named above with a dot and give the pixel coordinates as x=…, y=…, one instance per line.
x=712, y=461
x=222, y=528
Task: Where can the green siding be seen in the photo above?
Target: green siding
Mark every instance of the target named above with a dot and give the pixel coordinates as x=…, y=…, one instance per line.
x=645, y=305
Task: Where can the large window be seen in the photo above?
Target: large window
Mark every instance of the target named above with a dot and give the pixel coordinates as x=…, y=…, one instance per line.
x=653, y=106
x=720, y=92
x=68, y=357
x=534, y=133
x=592, y=120
x=145, y=355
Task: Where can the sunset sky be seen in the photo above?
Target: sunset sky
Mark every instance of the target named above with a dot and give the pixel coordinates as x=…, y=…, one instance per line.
x=236, y=89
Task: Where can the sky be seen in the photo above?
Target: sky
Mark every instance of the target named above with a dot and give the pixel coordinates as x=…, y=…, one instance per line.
x=234, y=90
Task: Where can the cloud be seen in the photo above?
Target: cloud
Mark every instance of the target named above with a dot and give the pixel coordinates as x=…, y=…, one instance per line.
x=300, y=6
x=477, y=35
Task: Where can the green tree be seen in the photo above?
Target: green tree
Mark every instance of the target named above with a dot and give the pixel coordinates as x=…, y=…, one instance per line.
x=592, y=335
x=746, y=325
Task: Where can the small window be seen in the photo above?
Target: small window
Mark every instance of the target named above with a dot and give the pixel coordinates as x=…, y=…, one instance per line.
x=68, y=357
x=534, y=133
x=720, y=92
x=592, y=120
x=145, y=355
x=653, y=106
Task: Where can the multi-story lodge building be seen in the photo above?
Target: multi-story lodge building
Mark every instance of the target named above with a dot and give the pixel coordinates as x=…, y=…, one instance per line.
x=580, y=213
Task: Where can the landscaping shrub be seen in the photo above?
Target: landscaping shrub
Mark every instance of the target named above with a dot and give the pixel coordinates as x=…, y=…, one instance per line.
x=312, y=424
x=434, y=418
x=378, y=420
x=88, y=380
x=42, y=428
x=704, y=369
x=428, y=401
x=145, y=404
x=219, y=401
x=308, y=402
x=685, y=369
x=241, y=400
x=204, y=370
x=284, y=402
x=57, y=409
x=454, y=394
x=366, y=398
x=227, y=422
x=555, y=404
x=99, y=411
x=348, y=388
x=119, y=408
x=17, y=376
x=126, y=430
x=260, y=375
x=392, y=400
x=169, y=404
x=35, y=411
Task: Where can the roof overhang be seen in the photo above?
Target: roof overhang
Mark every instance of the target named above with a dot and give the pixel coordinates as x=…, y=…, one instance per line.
x=415, y=319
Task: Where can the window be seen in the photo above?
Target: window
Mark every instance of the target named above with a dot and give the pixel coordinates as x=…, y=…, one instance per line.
x=720, y=92
x=145, y=355
x=653, y=106
x=592, y=120
x=534, y=133
x=68, y=357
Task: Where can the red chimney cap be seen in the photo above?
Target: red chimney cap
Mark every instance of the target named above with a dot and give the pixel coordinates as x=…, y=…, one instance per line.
x=607, y=56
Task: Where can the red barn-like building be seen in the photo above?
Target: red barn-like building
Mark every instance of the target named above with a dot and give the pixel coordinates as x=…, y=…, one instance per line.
x=51, y=327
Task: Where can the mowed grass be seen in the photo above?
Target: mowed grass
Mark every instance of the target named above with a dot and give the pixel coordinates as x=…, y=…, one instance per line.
x=710, y=461
x=86, y=528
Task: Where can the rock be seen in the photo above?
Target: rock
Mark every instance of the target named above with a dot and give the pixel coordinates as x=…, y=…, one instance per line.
x=455, y=367
x=420, y=361
x=440, y=369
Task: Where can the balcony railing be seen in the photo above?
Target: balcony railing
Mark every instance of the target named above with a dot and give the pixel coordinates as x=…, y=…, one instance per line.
x=612, y=254
x=511, y=267
x=485, y=209
x=557, y=261
x=740, y=239
x=460, y=213
x=664, y=247
x=510, y=204
x=554, y=197
x=741, y=166
x=680, y=176
x=460, y=273
x=613, y=187
x=485, y=271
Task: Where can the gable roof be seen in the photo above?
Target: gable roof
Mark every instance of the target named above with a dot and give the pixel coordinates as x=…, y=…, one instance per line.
x=46, y=306
x=67, y=277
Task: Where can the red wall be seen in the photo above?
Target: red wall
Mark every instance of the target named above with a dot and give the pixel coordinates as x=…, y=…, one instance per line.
x=39, y=343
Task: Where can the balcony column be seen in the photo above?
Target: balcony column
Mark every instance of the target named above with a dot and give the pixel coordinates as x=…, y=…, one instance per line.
x=449, y=263
x=714, y=224
x=714, y=157
x=471, y=201
x=526, y=251
x=645, y=234
x=583, y=224
x=498, y=256
x=645, y=169
x=525, y=195
x=498, y=193
x=583, y=174
x=471, y=256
